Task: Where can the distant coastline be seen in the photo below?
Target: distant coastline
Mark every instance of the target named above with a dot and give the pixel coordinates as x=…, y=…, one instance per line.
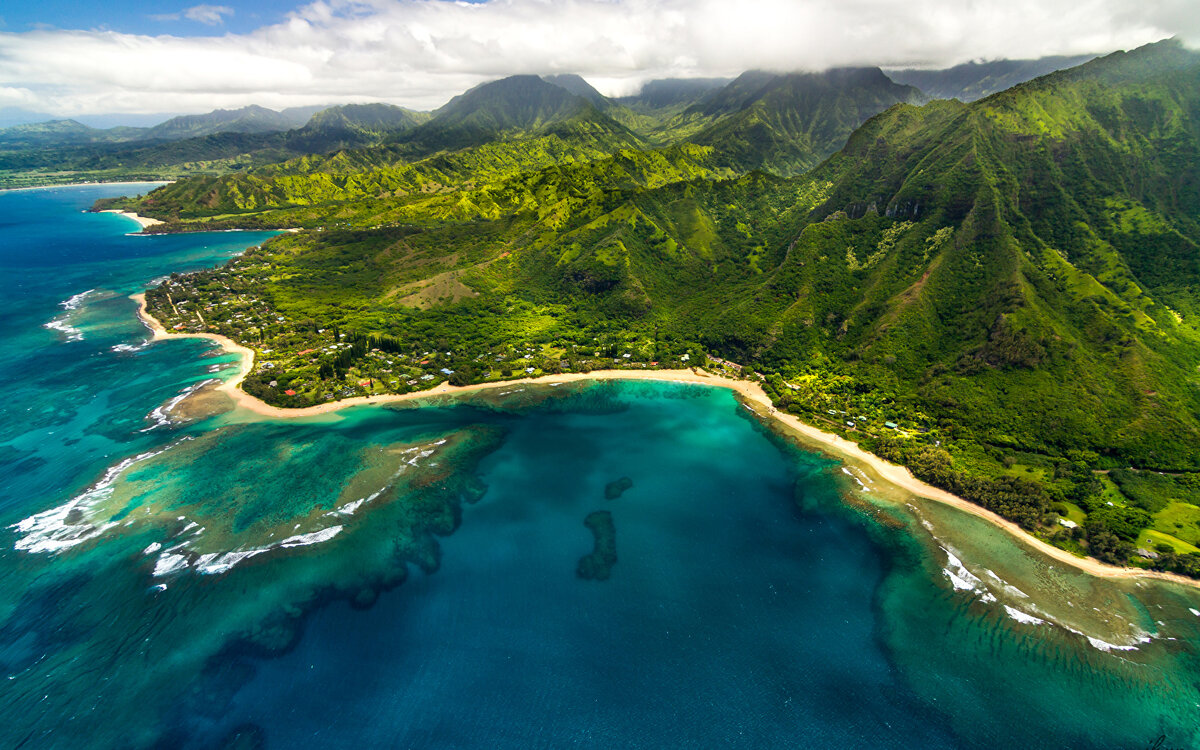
x=752, y=395
x=82, y=184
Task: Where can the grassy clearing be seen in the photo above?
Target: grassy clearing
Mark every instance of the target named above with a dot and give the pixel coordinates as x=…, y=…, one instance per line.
x=1180, y=520
x=1149, y=539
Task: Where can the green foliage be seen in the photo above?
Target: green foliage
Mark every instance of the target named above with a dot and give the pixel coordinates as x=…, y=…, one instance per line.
x=1148, y=490
x=1124, y=523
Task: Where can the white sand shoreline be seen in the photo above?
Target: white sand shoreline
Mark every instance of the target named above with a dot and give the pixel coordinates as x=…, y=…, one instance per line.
x=751, y=393
x=144, y=221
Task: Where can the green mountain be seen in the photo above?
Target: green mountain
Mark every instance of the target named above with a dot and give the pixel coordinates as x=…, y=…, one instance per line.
x=519, y=102
x=654, y=113
x=252, y=119
x=352, y=126
x=62, y=132
x=784, y=123
x=1024, y=271
x=218, y=153
x=222, y=141
x=760, y=121
x=512, y=108
x=297, y=117
x=579, y=87
x=241, y=139
x=975, y=80
x=59, y=133
x=372, y=118
x=492, y=132
x=787, y=124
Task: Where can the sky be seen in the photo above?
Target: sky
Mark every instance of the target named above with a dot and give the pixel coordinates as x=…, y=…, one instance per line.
x=69, y=58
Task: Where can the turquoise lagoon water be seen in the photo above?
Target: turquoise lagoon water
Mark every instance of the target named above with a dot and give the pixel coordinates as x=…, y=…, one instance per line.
x=408, y=576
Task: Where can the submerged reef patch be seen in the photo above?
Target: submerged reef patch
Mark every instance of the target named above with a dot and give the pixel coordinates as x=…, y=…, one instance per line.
x=615, y=489
x=598, y=565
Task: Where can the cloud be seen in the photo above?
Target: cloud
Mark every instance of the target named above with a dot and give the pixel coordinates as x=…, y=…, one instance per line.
x=210, y=15
x=420, y=52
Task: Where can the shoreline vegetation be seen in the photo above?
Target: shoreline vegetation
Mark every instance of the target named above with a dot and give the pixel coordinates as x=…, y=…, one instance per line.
x=750, y=394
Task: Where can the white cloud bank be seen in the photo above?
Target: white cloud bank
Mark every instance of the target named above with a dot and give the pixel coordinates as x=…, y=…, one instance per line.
x=420, y=52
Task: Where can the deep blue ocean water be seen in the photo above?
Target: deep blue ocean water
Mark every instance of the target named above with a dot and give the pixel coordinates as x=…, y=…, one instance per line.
x=408, y=576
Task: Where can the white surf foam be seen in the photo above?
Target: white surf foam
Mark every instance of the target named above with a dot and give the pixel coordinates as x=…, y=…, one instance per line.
x=62, y=324
x=68, y=525
x=127, y=348
x=315, y=537
x=1024, y=617
x=854, y=476
x=961, y=578
x=168, y=563
x=69, y=332
x=74, y=302
x=162, y=414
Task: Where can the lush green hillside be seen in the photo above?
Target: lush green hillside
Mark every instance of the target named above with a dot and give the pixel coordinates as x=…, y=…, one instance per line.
x=517, y=125
x=1023, y=271
x=655, y=113
x=520, y=124
x=1013, y=285
x=785, y=124
x=513, y=108
x=788, y=124
x=348, y=187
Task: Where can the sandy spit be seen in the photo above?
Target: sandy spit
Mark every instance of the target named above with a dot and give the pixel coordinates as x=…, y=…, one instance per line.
x=145, y=221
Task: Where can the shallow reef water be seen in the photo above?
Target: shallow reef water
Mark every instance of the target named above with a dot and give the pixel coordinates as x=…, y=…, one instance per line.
x=181, y=575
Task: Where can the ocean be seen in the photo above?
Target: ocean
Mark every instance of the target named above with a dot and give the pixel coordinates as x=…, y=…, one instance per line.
x=593, y=565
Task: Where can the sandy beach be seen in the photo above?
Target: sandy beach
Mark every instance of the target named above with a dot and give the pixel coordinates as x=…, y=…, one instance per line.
x=145, y=221
x=751, y=394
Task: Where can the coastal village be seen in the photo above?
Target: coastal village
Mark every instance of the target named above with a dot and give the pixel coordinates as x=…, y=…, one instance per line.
x=301, y=362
